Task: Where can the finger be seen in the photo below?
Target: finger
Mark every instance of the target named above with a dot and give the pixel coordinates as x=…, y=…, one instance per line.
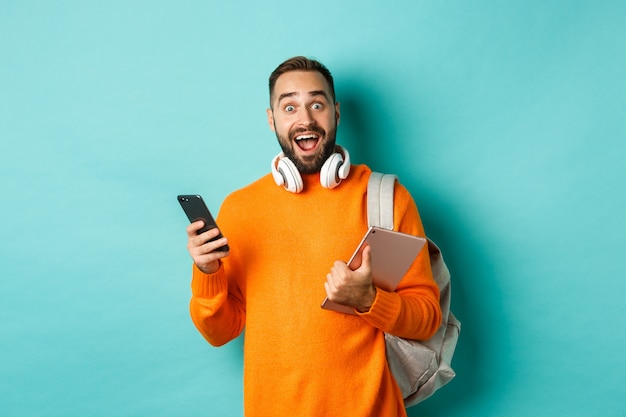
x=341, y=272
x=330, y=279
x=327, y=289
x=203, y=238
x=215, y=245
x=209, y=234
x=199, y=245
x=330, y=290
x=193, y=228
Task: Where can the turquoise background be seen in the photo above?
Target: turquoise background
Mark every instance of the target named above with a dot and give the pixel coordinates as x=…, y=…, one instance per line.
x=504, y=119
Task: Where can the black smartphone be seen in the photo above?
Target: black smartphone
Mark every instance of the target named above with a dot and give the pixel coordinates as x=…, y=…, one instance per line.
x=196, y=209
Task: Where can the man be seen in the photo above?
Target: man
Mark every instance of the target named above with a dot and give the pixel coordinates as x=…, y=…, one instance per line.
x=285, y=243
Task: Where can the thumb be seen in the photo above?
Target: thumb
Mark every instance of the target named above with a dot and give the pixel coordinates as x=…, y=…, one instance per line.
x=366, y=259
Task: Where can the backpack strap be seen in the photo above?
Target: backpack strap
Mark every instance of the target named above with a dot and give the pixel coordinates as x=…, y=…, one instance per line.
x=380, y=200
x=419, y=367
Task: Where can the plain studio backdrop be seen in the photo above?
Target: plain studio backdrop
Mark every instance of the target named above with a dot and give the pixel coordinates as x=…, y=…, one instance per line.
x=505, y=120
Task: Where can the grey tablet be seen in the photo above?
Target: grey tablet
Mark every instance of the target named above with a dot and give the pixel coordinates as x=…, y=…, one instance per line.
x=392, y=254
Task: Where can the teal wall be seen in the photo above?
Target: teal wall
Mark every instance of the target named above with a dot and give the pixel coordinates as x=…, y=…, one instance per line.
x=504, y=119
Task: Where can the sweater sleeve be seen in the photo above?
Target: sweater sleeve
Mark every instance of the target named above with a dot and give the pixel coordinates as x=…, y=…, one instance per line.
x=413, y=310
x=216, y=307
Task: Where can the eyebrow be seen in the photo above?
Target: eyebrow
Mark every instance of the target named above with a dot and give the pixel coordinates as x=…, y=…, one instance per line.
x=311, y=94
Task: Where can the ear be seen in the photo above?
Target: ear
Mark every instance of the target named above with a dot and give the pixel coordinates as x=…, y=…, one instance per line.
x=337, y=112
x=270, y=119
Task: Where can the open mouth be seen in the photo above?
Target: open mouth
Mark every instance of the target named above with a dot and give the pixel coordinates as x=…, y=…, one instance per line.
x=307, y=142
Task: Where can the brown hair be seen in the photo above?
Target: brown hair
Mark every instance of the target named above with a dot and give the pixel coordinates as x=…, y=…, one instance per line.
x=301, y=63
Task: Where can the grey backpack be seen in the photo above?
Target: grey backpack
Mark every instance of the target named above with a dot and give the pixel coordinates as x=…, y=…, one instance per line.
x=419, y=367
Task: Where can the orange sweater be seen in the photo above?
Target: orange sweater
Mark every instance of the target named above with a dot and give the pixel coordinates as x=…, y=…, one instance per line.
x=302, y=360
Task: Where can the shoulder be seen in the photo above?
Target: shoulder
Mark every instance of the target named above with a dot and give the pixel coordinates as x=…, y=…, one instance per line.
x=359, y=174
x=401, y=193
x=405, y=212
x=261, y=185
x=249, y=195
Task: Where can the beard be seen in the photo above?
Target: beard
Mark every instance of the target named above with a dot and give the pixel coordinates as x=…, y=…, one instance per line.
x=310, y=164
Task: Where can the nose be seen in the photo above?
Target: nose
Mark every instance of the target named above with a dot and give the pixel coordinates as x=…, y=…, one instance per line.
x=305, y=118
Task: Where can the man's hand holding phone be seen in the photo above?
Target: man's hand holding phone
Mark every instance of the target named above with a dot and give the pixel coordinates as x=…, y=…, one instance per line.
x=204, y=251
x=206, y=244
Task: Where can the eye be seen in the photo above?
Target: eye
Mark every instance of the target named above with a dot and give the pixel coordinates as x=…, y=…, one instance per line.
x=289, y=108
x=317, y=106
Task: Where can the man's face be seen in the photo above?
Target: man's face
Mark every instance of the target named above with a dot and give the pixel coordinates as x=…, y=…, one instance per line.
x=304, y=118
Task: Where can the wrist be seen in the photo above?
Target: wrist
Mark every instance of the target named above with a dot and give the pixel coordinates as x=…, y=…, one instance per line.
x=210, y=268
x=368, y=300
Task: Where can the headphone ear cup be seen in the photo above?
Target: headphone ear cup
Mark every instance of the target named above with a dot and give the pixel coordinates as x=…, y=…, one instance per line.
x=336, y=168
x=278, y=177
x=344, y=168
x=329, y=174
x=288, y=174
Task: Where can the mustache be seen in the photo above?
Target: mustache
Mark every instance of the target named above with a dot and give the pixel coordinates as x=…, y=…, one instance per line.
x=315, y=129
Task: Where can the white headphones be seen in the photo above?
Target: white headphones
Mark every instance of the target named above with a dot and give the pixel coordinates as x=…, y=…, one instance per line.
x=335, y=169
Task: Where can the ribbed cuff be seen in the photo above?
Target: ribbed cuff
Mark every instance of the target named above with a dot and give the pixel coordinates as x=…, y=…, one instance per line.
x=384, y=311
x=208, y=285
